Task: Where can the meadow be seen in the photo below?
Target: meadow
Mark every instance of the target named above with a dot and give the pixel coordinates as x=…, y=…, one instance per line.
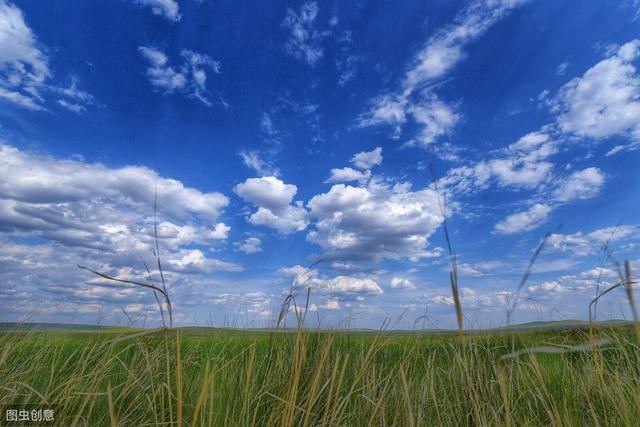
x=225, y=377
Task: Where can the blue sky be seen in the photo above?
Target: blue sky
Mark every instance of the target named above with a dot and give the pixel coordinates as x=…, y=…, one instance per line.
x=279, y=133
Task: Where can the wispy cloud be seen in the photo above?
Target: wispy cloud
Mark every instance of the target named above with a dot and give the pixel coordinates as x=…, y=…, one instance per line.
x=305, y=40
x=167, y=8
x=188, y=78
x=444, y=50
x=24, y=67
x=253, y=160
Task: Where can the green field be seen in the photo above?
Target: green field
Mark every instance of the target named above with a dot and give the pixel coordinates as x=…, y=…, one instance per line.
x=264, y=377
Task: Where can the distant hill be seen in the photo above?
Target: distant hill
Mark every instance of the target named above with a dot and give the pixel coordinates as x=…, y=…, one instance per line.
x=13, y=326
x=555, y=325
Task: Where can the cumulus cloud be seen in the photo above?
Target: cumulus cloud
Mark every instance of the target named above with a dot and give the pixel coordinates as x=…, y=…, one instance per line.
x=251, y=245
x=39, y=180
x=478, y=269
x=364, y=160
x=580, y=185
x=401, y=283
x=580, y=286
x=194, y=261
x=602, y=103
x=583, y=184
x=305, y=40
x=443, y=50
x=347, y=175
x=90, y=207
x=583, y=244
x=526, y=165
x=368, y=159
x=55, y=214
x=522, y=165
x=374, y=222
x=346, y=286
x=274, y=201
x=605, y=101
x=527, y=220
x=167, y=8
x=96, y=208
x=188, y=78
x=339, y=287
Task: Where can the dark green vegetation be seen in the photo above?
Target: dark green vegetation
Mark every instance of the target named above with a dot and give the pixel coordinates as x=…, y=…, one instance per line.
x=232, y=377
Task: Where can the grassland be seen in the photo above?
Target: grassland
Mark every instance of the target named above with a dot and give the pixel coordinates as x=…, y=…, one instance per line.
x=223, y=377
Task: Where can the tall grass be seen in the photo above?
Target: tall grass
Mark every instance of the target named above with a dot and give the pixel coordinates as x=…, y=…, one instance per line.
x=168, y=377
x=287, y=378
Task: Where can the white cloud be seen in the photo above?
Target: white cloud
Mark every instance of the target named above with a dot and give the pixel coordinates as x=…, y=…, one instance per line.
x=368, y=159
x=76, y=100
x=522, y=164
x=401, y=283
x=471, y=298
x=273, y=198
x=345, y=286
x=528, y=220
x=339, y=287
x=582, y=244
x=251, y=245
x=580, y=185
x=23, y=66
x=525, y=164
x=194, y=261
x=39, y=181
x=379, y=221
x=605, y=101
x=477, y=269
x=253, y=160
x=347, y=175
x=298, y=272
x=331, y=304
x=93, y=207
x=446, y=48
x=304, y=38
x=55, y=214
x=386, y=109
x=440, y=54
x=189, y=78
x=562, y=68
x=179, y=235
x=167, y=8
x=436, y=117
x=268, y=192
x=578, y=285
x=583, y=184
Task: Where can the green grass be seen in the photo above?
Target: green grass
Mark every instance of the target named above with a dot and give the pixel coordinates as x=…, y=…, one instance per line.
x=198, y=377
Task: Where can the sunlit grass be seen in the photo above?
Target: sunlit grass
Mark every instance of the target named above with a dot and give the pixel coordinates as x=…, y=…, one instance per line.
x=212, y=377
